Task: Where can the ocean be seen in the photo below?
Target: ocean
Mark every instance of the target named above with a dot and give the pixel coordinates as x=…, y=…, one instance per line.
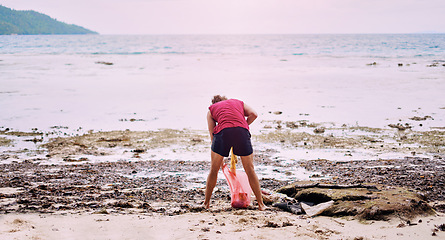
x=326, y=45
x=78, y=83
x=168, y=80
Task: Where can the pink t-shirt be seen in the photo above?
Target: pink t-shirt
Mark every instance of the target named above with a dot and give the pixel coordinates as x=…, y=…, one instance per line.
x=227, y=114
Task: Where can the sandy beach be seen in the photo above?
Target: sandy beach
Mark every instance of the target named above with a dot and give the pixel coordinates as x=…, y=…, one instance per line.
x=235, y=224
x=66, y=192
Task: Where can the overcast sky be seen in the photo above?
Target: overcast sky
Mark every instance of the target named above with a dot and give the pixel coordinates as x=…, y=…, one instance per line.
x=243, y=16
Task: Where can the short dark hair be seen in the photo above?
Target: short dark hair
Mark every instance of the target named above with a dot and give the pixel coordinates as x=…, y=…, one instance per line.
x=218, y=98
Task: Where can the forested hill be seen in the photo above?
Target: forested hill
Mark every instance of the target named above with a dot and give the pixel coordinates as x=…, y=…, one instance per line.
x=32, y=22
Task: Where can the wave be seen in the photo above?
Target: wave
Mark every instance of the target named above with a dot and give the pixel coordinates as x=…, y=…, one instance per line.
x=381, y=46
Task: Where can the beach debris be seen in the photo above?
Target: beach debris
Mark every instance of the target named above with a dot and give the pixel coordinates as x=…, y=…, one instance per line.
x=196, y=140
x=316, y=209
x=104, y=63
x=5, y=141
x=287, y=224
x=434, y=64
x=400, y=127
x=138, y=150
x=294, y=208
x=101, y=211
x=59, y=127
x=132, y=120
x=69, y=159
x=34, y=140
x=271, y=197
x=415, y=118
x=271, y=224
x=440, y=227
x=291, y=125
x=319, y=130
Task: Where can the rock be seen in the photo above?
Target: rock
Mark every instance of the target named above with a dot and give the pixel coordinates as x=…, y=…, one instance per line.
x=104, y=63
x=441, y=227
x=365, y=202
x=287, y=224
x=123, y=204
x=400, y=126
x=102, y=211
x=291, y=125
x=319, y=130
x=278, y=112
x=196, y=140
x=271, y=224
x=415, y=118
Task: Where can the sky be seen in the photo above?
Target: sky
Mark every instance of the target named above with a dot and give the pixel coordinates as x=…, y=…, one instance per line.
x=243, y=16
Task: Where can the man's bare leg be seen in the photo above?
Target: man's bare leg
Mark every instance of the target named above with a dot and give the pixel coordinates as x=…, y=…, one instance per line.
x=216, y=163
x=253, y=179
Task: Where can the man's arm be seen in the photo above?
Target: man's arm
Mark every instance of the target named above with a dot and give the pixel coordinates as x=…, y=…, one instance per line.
x=211, y=124
x=250, y=114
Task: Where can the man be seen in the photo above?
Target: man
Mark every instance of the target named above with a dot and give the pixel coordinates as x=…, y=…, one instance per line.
x=228, y=127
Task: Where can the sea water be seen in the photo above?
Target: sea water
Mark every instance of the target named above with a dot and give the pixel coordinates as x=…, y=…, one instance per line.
x=116, y=82
x=168, y=81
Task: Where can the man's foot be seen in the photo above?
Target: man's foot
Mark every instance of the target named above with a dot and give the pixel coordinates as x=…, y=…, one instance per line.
x=262, y=207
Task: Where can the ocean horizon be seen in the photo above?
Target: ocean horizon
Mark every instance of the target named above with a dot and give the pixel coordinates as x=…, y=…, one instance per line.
x=363, y=45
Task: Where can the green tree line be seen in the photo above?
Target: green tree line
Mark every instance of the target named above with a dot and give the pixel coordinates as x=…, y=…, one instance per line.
x=32, y=22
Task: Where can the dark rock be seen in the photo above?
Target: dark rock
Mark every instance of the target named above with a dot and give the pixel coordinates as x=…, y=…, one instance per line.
x=356, y=200
x=271, y=224
x=399, y=126
x=319, y=130
x=441, y=227
x=104, y=63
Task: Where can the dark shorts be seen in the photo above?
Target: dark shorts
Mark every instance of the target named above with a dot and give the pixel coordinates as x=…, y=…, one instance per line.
x=237, y=137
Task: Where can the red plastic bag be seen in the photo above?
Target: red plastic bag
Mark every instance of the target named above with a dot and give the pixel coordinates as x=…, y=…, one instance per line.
x=239, y=187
